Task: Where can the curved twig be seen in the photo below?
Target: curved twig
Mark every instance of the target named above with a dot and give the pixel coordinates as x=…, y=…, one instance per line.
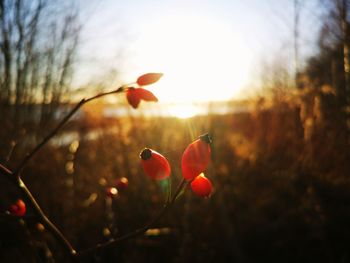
x=31, y=154
x=15, y=178
x=113, y=242
x=30, y=200
x=46, y=221
x=59, y=236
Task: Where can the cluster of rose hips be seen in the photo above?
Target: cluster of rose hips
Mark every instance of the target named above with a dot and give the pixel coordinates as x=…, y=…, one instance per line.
x=195, y=158
x=194, y=162
x=135, y=95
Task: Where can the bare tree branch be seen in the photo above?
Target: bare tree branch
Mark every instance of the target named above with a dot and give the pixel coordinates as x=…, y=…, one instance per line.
x=137, y=232
x=31, y=154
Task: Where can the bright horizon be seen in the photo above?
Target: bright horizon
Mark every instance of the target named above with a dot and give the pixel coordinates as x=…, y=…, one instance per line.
x=201, y=60
x=207, y=51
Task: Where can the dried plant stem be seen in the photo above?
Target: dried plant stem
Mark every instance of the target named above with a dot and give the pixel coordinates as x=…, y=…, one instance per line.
x=15, y=178
x=46, y=221
x=7, y=172
x=31, y=202
x=71, y=252
x=140, y=231
x=30, y=155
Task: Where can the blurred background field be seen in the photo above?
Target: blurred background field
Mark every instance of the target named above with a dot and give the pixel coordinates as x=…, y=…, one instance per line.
x=280, y=158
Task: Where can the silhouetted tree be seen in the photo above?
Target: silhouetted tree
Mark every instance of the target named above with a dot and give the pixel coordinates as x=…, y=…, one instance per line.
x=38, y=42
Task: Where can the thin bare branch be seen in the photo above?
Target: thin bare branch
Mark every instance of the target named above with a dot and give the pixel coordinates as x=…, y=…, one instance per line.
x=46, y=221
x=31, y=154
x=113, y=242
x=71, y=252
x=30, y=200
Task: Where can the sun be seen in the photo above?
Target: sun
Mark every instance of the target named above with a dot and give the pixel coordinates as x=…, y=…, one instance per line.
x=183, y=111
x=202, y=59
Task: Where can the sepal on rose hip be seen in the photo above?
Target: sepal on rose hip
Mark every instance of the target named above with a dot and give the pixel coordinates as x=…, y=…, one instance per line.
x=155, y=165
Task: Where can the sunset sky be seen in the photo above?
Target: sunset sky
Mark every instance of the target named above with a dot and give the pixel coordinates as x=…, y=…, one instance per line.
x=207, y=50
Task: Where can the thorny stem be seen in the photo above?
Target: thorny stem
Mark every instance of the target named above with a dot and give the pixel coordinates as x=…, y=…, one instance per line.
x=31, y=154
x=39, y=213
x=113, y=242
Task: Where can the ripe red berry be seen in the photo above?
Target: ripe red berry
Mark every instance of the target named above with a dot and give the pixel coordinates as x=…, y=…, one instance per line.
x=122, y=183
x=18, y=208
x=148, y=78
x=111, y=192
x=202, y=186
x=135, y=95
x=196, y=157
x=155, y=165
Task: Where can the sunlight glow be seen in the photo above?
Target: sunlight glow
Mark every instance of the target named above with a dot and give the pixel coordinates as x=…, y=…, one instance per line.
x=202, y=60
x=183, y=111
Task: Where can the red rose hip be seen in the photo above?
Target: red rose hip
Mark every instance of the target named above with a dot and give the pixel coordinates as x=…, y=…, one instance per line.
x=202, y=186
x=155, y=165
x=18, y=208
x=196, y=157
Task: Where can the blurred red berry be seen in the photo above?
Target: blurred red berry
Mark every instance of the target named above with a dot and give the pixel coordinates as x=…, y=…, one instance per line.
x=155, y=165
x=111, y=192
x=146, y=95
x=202, y=186
x=196, y=157
x=135, y=95
x=132, y=97
x=18, y=208
x=122, y=183
x=148, y=78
